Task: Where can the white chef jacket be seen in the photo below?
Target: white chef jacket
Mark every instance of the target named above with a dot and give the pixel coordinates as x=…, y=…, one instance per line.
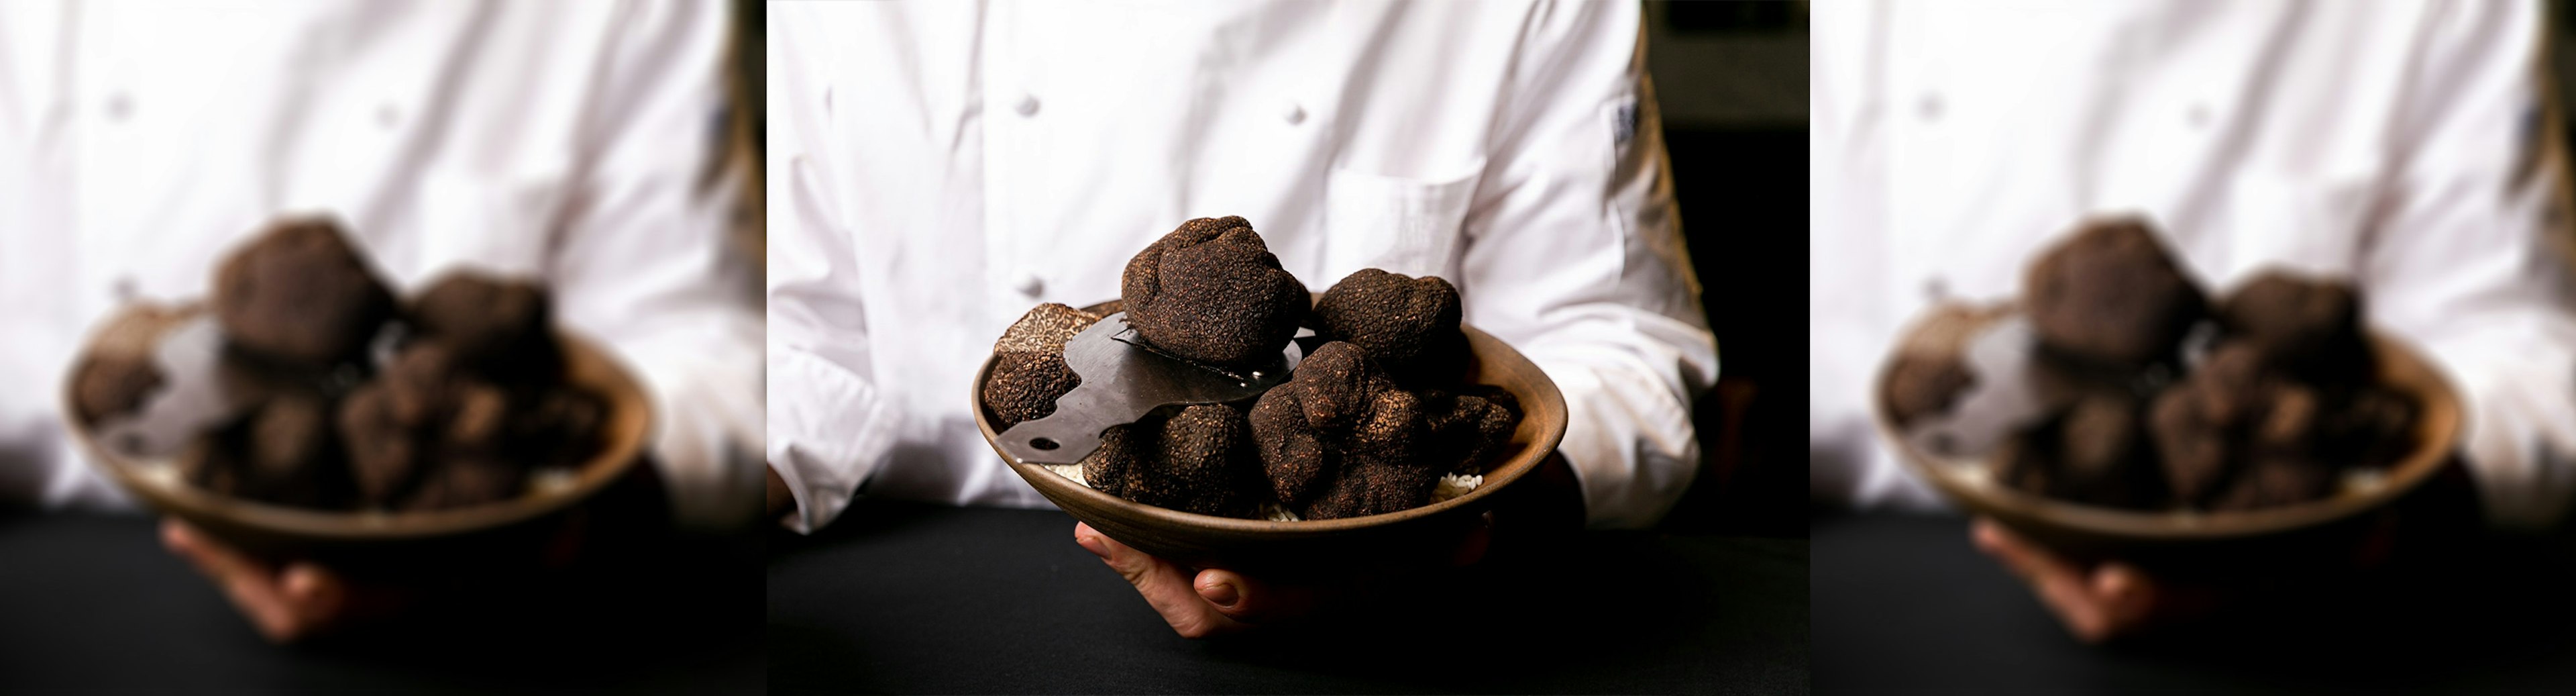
x=141, y=141
x=938, y=168
x=2404, y=146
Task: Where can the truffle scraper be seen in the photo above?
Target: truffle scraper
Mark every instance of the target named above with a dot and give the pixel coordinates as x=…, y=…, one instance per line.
x=193, y=398
x=1122, y=380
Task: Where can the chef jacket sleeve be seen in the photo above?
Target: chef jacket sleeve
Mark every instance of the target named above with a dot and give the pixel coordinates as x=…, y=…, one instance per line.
x=1574, y=255
x=830, y=422
x=2471, y=254
x=643, y=264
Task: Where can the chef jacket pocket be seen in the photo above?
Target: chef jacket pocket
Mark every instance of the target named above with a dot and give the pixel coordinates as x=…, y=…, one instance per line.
x=2304, y=224
x=1397, y=224
x=494, y=223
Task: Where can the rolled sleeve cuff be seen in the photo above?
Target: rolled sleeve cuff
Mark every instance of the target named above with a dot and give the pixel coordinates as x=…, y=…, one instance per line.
x=827, y=430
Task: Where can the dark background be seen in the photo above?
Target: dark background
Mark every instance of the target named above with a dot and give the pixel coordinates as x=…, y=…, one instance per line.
x=1731, y=78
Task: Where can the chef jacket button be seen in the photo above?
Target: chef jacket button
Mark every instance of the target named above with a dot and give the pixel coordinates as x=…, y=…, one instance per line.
x=1929, y=107
x=388, y=115
x=1295, y=113
x=2198, y=116
x=123, y=289
x=1031, y=285
x=1028, y=105
x=1935, y=289
x=119, y=106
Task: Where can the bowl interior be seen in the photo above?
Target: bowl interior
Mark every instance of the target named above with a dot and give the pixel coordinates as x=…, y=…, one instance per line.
x=271, y=527
x=1965, y=481
x=1191, y=536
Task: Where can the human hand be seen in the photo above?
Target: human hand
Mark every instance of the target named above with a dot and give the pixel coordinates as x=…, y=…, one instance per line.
x=1216, y=601
x=2096, y=602
x=286, y=602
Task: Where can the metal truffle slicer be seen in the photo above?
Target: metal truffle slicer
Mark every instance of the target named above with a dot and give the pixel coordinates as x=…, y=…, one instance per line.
x=1124, y=378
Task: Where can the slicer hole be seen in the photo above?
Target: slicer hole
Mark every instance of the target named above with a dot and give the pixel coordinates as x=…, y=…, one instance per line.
x=1042, y=443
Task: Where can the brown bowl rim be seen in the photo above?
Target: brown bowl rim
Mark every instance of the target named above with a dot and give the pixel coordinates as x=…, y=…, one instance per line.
x=1551, y=433
x=2437, y=429
x=628, y=431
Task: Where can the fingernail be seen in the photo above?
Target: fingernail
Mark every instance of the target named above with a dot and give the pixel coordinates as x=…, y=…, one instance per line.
x=1092, y=544
x=1222, y=594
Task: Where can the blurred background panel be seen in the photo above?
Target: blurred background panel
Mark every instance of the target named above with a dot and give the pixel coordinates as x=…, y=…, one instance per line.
x=745, y=124
x=1731, y=78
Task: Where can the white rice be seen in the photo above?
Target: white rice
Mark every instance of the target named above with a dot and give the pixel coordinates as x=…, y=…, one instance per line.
x=1450, y=486
x=1071, y=471
x=1454, y=485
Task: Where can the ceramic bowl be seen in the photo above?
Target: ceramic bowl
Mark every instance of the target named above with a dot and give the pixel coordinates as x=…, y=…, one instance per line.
x=1206, y=540
x=283, y=531
x=2198, y=537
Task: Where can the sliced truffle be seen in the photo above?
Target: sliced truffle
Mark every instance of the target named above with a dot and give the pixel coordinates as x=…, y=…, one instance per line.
x=1210, y=291
x=300, y=294
x=1029, y=372
x=1044, y=329
x=1410, y=325
x=2112, y=295
x=500, y=328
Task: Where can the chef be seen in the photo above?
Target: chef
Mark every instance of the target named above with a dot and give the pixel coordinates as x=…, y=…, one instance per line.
x=2408, y=148
x=936, y=169
x=569, y=143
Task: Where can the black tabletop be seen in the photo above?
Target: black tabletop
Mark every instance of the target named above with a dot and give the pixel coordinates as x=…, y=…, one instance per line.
x=1906, y=604
x=914, y=598
x=92, y=603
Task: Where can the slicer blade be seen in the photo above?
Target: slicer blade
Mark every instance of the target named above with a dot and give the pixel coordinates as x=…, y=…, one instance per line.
x=1122, y=380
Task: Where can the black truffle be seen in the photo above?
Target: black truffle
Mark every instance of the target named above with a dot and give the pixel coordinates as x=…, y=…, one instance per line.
x=105, y=386
x=1929, y=371
x=502, y=329
x=2103, y=453
x=1472, y=426
x=2231, y=411
x=426, y=414
x=119, y=371
x=292, y=455
x=2111, y=295
x=2309, y=327
x=1210, y=291
x=465, y=481
x=2273, y=482
x=1342, y=439
x=1197, y=460
x=299, y=294
x=385, y=457
x=1409, y=325
x=2375, y=427
x=563, y=427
